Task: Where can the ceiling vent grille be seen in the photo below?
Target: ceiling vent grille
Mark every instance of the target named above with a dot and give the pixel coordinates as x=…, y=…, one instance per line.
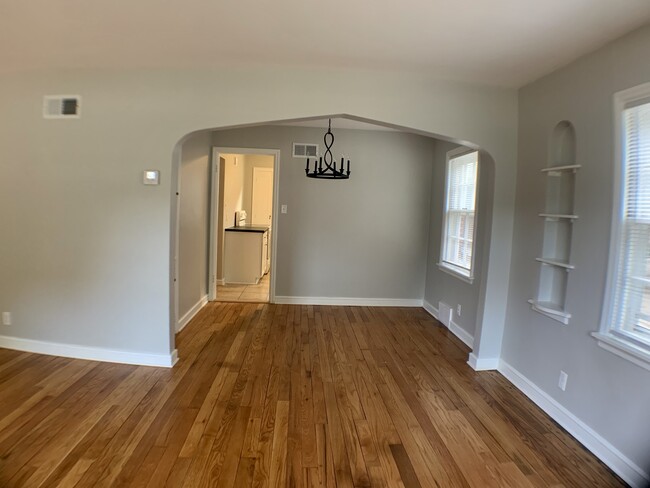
x=61, y=106
x=303, y=150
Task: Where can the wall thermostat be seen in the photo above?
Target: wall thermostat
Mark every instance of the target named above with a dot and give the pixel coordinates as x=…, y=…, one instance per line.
x=151, y=177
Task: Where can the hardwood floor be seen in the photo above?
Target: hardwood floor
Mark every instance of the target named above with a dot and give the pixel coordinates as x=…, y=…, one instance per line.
x=277, y=395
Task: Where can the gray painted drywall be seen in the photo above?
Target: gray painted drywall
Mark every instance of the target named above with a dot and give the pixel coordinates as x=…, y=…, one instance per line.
x=608, y=393
x=193, y=222
x=98, y=258
x=365, y=237
x=441, y=286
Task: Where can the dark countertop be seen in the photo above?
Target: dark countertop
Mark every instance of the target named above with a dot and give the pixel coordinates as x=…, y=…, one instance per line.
x=248, y=228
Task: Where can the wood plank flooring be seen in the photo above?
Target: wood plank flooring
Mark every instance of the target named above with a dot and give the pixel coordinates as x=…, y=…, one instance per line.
x=277, y=395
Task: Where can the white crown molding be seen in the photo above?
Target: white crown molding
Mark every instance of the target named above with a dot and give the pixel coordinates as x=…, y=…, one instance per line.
x=89, y=353
x=345, y=301
x=603, y=450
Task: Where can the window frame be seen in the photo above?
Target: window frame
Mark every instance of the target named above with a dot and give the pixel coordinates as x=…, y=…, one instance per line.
x=610, y=337
x=457, y=271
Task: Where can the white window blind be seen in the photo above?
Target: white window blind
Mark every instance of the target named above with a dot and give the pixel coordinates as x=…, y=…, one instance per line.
x=630, y=313
x=459, y=219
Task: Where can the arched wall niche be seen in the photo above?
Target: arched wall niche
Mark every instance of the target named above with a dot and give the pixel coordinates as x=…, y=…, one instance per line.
x=559, y=217
x=562, y=146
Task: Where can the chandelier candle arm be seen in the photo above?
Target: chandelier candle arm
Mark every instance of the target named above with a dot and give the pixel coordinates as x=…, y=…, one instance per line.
x=329, y=172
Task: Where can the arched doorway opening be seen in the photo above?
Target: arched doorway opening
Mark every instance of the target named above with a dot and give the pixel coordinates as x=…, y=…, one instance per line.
x=292, y=279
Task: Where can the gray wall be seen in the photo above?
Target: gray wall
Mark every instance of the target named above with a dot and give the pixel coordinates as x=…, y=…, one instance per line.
x=94, y=268
x=608, y=393
x=365, y=237
x=441, y=286
x=193, y=222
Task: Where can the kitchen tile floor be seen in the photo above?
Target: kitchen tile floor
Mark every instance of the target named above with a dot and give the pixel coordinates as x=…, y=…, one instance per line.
x=245, y=293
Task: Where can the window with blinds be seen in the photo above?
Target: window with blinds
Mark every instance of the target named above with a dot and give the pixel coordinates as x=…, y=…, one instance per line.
x=457, y=248
x=630, y=310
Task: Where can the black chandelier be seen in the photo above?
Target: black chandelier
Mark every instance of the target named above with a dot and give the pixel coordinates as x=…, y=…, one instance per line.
x=328, y=172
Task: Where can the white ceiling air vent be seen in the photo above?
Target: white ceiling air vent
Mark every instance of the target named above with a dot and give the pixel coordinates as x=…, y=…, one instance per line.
x=303, y=150
x=61, y=106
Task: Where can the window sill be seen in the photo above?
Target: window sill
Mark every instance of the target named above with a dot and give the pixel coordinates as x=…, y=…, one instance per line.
x=454, y=272
x=624, y=349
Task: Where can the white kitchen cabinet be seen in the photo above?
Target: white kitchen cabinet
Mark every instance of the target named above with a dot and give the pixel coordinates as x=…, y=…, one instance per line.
x=247, y=254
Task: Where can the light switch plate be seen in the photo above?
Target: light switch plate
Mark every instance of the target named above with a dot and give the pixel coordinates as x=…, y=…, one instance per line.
x=283, y=209
x=151, y=177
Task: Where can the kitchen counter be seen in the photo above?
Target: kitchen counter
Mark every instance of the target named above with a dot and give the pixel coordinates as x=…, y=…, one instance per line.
x=248, y=228
x=247, y=256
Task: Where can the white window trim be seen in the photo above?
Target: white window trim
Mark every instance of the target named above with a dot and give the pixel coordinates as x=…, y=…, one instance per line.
x=460, y=273
x=608, y=340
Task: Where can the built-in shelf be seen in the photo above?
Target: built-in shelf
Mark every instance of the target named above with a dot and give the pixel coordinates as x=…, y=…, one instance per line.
x=551, y=310
x=559, y=217
x=567, y=167
x=553, y=262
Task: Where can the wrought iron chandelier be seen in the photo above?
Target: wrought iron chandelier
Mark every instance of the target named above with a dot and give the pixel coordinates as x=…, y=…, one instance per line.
x=329, y=171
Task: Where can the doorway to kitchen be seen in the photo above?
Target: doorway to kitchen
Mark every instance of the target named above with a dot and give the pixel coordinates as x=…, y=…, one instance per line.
x=243, y=224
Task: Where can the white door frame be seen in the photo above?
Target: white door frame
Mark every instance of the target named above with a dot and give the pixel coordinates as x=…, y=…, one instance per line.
x=213, y=227
x=215, y=208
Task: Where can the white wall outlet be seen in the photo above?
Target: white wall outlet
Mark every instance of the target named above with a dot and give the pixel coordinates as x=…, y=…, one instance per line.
x=283, y=209
x=459, y=309
x=6, y=318
x=562, y=381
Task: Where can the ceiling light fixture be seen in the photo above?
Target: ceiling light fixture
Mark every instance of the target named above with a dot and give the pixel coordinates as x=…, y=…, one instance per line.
x=329, y=172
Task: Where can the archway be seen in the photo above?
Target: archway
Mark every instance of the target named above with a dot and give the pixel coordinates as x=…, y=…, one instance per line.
x=485, y=212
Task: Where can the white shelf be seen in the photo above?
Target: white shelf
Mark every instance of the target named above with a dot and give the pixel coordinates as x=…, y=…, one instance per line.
x=551, y=310
x=553, y=262
x=568, y=167
x=558, y=216
x=550, y=299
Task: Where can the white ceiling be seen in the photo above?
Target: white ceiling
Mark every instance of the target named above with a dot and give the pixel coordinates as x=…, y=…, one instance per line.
x=498, y=42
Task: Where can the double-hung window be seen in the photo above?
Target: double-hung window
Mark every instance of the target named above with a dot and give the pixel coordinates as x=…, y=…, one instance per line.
x=459, y=229
x=625, y=327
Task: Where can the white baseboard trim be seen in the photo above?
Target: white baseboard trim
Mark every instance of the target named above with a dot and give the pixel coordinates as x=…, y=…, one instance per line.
x=433, y=311
x=603, y=450
x=221, y=281
x=351, y=302
x=455, y=329
x=89, y=353
x=185, y=319
x=482, y=364
x=462, y=334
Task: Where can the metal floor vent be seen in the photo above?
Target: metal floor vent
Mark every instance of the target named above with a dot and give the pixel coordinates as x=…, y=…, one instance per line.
x=61, y=106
